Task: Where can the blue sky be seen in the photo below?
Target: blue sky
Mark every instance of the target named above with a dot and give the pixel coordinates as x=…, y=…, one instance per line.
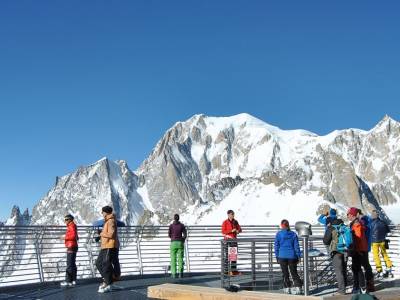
x=80, y=80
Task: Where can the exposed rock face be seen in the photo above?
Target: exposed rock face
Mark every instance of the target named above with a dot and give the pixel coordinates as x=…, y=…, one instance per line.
x=84, y=192
x=198, y=163
x=18, y=219
x=13, y=245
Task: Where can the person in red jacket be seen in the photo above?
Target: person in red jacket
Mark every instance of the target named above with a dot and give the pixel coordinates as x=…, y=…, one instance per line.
x=359, y=255
x=71, y=243
x=230, y=230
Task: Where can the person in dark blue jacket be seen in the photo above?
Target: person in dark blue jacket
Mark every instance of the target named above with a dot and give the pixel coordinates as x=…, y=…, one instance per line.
x=379, y=230
x=287, y=253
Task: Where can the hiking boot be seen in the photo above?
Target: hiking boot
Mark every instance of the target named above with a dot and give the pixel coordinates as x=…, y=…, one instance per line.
x=296, y=290
x=105, y=289
x=66, y=284
x=234, y=273
x=370, y=286
x=378, y=275
x=388, y=273
x=286, y=290
x=101, y=286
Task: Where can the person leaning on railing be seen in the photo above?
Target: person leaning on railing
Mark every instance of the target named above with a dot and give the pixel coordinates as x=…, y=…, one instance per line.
x=71, y=243
x=109, y=247
x=230, y=230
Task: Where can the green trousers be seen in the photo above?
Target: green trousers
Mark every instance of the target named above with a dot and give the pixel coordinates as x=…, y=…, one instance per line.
x=176, y=252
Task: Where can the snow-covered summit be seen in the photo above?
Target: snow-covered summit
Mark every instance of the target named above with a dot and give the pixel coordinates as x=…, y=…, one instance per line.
x=206, y=164
x=202, y=160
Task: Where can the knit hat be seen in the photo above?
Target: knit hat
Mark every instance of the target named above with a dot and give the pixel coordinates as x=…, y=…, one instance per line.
x=353, y=211
x=332, y=212
x=107, y=209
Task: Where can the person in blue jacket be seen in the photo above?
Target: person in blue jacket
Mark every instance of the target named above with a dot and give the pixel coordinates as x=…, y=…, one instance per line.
x=287, y=253
x=328, y=217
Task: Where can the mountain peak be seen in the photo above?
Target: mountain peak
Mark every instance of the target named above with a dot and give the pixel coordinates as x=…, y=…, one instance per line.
x=101, y=160
x=15, y=212
x=387, y=124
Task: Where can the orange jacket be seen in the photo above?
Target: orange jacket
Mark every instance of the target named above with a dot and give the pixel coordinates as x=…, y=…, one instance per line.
x=359, y=238
x=227, y=227
x=109, y=236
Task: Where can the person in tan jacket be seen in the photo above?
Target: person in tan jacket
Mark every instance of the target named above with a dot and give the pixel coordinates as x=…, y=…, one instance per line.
x=109, y=249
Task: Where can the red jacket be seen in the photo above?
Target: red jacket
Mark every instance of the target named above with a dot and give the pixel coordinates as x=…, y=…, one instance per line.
x=227, y=227
x=71, y=236
x=360, y=239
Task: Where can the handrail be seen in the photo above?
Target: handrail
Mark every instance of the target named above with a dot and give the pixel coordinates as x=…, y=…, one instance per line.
x=31, y=254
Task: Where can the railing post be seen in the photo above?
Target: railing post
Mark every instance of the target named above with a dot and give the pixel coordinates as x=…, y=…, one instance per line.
x=89, y=246
x=38, y=236
x=305, y=265
x=186, y=245
x=253, y=262
x=225, y=264
x=139, y=251
x=270, y=265
x=222, y=264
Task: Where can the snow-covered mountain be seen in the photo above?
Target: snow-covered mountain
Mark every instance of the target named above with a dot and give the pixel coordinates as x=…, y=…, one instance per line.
x=18, y=219
x=206, y=165
x=84, y=192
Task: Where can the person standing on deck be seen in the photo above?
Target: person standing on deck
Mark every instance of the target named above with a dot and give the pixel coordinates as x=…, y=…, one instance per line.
x=177, y=233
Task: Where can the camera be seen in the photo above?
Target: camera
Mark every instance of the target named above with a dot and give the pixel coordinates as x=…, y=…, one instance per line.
x=97, y=237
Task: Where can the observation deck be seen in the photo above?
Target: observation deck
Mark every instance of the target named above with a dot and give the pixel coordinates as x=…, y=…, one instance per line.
x=32, y=263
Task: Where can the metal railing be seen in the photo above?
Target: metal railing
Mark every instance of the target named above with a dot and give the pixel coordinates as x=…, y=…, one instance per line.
x=34, y=254
x=256, y=266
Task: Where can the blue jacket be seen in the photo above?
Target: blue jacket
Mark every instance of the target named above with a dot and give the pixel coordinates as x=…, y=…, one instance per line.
x=287, y=245
x=379, y=230
x=324, y=220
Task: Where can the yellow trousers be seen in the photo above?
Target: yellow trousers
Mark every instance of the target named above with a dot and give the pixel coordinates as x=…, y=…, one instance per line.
x=380, y=247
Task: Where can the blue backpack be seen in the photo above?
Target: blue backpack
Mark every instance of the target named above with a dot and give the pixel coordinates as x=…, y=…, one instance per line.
x=342, y=239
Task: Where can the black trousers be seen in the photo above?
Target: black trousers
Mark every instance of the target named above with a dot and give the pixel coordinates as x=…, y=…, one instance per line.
x=116, y=265
x=71, y=271
x=286, y=265
x=339, y=265
x=360, y=259
x=104, y=264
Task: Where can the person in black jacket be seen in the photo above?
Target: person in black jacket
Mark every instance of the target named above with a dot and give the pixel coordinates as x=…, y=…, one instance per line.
x=177, y=234
x=338, y=258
